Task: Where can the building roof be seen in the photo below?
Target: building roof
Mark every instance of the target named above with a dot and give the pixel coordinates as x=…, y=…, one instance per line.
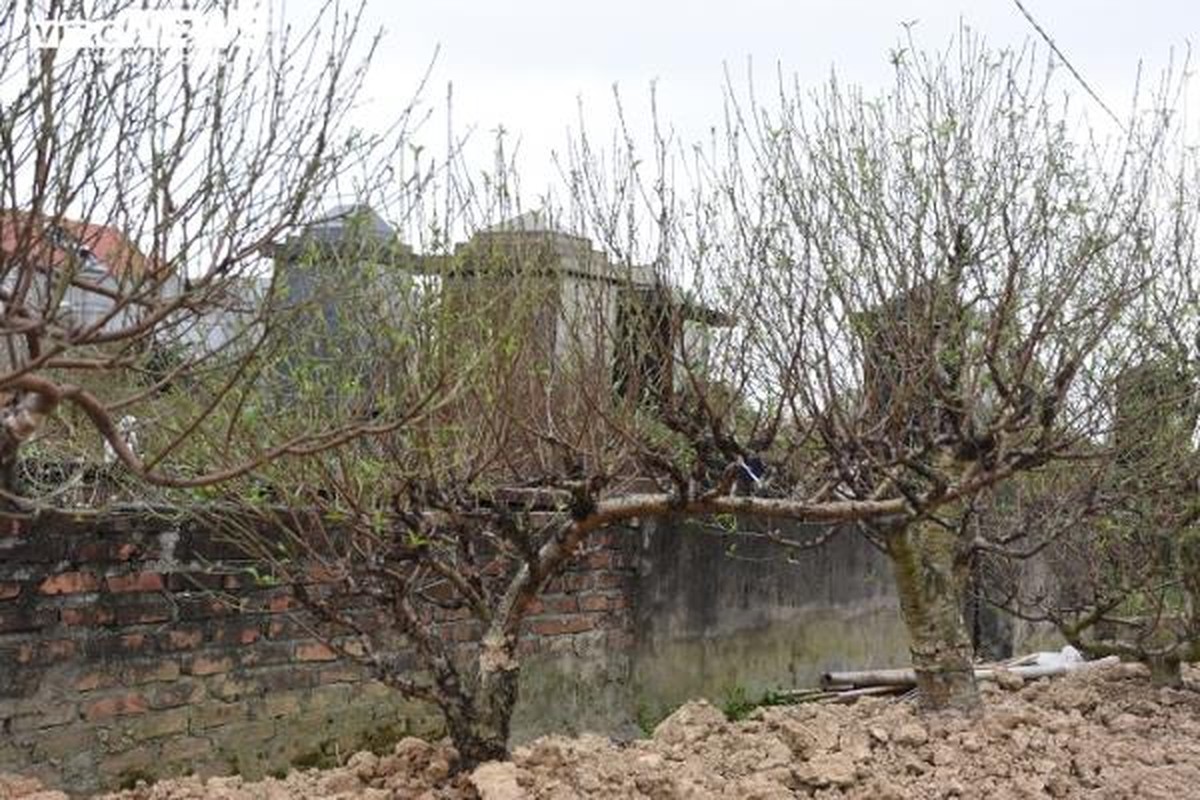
x=52, y=243
x=536, y=221
x=358, y=220
x=576, y=259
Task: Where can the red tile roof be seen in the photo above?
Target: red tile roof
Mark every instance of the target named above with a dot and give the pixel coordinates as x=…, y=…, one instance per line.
x=110, y=247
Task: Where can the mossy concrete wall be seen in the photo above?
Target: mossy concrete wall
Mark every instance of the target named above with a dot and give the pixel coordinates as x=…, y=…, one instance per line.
x=582, y=684
x=715, y=615
x=721, y=616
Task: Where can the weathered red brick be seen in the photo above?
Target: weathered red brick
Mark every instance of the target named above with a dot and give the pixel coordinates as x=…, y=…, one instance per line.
x=46, y=652
x=601, y=602
x=284, y=678
x=264, y=653
x=49, y=715
x=210, y=665
x=118, y=706
x=600, y=560
x=620, y=640
x=609, y=580
x=576, y=581
x=141, y=609
x=70, y=583
x=340, y=674
x=237, y=582
x=206, y=606
x=195, y=581
x=126, y=551
x=133, y=641
x=149, y=672
x=467, y=632
x=623, y=561
x=58, y=650
x=97, y=679
x=88, y=615
x=320, y=573
x=562, y=604
x=15, y=619
x=216, y=714
x=176, y=693
x=107, y=550
x=236, y=633
x=535, y=607
x=282, y=602
x=135, y=582
x=559, y=626
x=184, y=639
x=314, y=651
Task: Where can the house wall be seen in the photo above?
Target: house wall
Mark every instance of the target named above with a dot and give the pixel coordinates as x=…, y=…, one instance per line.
x=585, y=328
x=135, y=646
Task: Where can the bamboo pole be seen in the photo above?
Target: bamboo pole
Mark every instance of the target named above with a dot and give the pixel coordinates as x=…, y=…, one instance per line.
x=840, y=681
x=851, y=695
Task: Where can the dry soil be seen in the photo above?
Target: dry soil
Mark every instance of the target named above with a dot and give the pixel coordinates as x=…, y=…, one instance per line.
x=1106, y=733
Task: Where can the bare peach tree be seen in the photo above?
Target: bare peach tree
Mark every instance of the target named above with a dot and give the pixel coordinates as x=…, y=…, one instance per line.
x=1105, y=549
x=140, y=192
x=936, y=289
x=1104, y=552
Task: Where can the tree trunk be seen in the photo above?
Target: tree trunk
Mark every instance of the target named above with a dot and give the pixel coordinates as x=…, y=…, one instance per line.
x=923, y=560
x=18, y=422
x=477, y=715
x=478, y=736
x=479, y=726
x=1165, y=671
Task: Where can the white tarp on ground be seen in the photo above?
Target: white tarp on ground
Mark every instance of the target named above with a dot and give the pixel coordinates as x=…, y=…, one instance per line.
x=1060, y=658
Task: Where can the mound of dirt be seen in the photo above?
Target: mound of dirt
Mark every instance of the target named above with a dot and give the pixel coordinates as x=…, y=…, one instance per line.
x=1100, y=734
x=414, y=769
x=1095, y=734
x=16, y=786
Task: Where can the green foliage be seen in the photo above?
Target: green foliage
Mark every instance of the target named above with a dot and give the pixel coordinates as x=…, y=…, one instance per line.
x=670, y=444
x=739, y=704
x=648, y=717
x=263, y=580
x=728, y=523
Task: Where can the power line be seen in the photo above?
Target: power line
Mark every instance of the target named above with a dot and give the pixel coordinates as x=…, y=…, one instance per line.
x=1067, y=63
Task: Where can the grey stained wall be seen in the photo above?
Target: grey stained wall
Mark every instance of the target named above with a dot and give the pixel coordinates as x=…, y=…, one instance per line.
x=710, y=623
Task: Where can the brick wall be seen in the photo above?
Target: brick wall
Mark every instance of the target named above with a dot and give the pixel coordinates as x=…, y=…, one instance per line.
x=133, y=645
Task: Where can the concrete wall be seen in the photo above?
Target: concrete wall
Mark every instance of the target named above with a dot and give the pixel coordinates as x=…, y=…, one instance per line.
x=709, y=623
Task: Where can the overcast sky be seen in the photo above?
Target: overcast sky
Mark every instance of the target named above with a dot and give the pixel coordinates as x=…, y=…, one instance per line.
x=527, y=64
